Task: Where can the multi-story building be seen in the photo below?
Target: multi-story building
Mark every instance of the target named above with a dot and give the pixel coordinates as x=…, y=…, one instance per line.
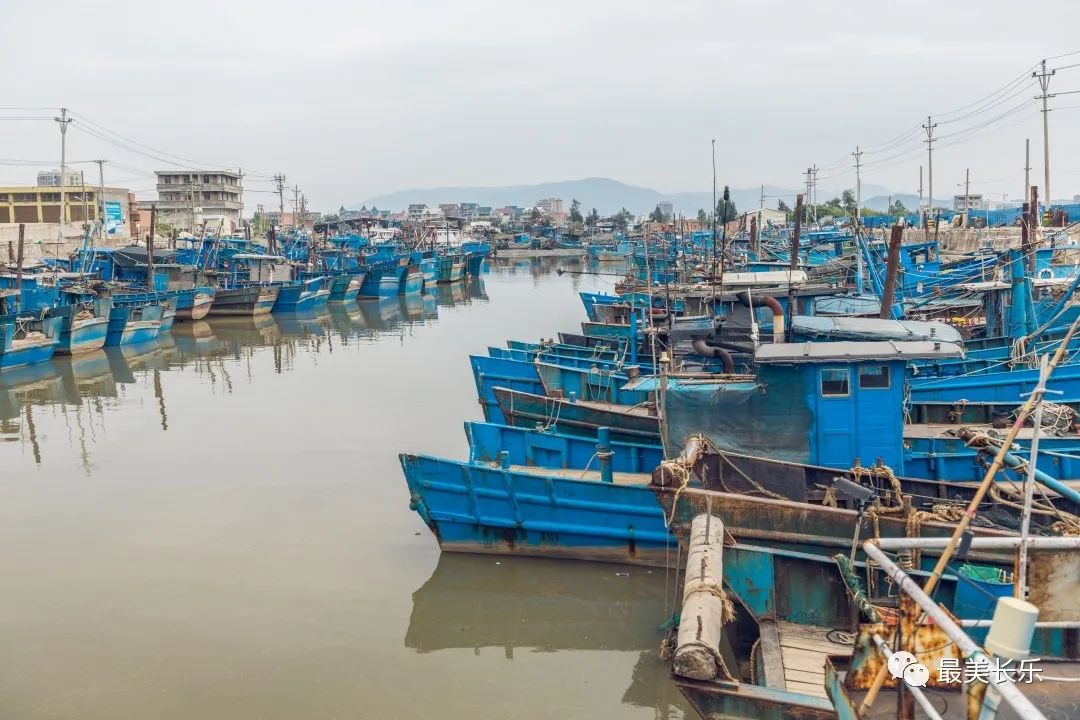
x=51, y=178
x=968, y=202
x=550, y=206
x=417, y=211
x=189, y=198
x=666, y=209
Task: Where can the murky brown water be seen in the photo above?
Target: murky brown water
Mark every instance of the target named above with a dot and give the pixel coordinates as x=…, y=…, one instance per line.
x=219, y=528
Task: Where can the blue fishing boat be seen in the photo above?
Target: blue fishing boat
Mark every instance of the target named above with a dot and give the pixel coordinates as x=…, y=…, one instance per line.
x=476, y=252
x=479, y=507
x=27, y=340
x=429, y=268
x=304, y=295
x=83, y=327
x=412, y=281
x=133, y=324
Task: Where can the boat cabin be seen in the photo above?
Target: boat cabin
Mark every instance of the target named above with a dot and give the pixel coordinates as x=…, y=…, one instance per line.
x=828, y=404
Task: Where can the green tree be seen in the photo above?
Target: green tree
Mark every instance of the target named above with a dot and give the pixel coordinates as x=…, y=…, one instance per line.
x=535, y=215
x=575, y=212
x=898, y=208
x=702, y=217
x=848, y=202
x=622, y=219
x=725, y=207
x=656, y=215
x=783, y=206
x=592, y=218
x=835, y=203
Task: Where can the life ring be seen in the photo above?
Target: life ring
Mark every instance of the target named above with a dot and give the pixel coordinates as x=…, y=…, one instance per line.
x=1046, y=274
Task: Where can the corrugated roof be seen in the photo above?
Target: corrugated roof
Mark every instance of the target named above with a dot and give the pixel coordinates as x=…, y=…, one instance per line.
x=816, y=352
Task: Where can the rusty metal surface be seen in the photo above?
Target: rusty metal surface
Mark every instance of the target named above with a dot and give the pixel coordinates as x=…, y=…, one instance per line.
x=1054, y=581
x=930, y=646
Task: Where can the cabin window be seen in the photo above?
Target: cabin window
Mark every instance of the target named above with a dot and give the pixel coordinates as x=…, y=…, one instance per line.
x=834, y=381
x=874, y=377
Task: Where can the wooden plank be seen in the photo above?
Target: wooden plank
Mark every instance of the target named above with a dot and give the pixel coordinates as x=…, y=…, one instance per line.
x=772, y=659
x=807, y=689
x=810, y=638
x=805, y=677
x=795, y=659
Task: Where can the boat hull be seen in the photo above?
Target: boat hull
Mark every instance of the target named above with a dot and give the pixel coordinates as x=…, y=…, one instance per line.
x=27, y=354
x=84, y=336
x=244, y=301
x=477, y=508
x=199, y=307
x=412, y=283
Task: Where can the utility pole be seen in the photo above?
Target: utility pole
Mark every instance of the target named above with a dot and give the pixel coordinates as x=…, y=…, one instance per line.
x=809, y=194
x=101, y=195
x=921, y=223
x=1027, y=167
x=858, y=184
x=967, y=195
x=813, y=198
x=1044, y=84
x=929, y=128
x=279, y=181
x=761, y=206
x=295, y=203
x=858, y=221
x=64, y=121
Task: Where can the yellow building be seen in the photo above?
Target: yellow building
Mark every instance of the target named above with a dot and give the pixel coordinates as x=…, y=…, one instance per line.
x=41, y=204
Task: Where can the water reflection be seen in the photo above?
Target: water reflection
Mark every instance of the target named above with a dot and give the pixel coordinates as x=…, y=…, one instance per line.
x=216, y=526
x=474, y=602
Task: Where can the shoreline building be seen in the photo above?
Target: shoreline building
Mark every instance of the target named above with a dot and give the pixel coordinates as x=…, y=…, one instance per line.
x=40, y=203
x=188, y=198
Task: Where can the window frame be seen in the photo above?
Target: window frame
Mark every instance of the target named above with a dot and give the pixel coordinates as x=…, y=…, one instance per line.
x=887, y=372
x=847, y=382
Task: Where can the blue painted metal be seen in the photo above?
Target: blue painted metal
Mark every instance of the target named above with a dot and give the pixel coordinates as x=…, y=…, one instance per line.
x=301, y=296
x=489, y=373
x=474, y=507
x=551, y=449
x=27, y=340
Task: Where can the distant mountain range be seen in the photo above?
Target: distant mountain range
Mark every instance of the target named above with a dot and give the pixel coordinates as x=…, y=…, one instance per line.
x=608, y=196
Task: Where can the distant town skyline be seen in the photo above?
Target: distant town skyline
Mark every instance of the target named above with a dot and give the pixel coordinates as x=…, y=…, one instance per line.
x=375, y=98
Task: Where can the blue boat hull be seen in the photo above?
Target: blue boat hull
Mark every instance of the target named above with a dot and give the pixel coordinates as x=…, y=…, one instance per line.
x=480, y=509
x=412, y=283
x=83, y=336
x=29, y=355
x=294, y=297
x=489, y=373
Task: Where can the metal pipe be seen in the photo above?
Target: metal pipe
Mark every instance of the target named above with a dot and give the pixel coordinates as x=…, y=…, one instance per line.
x=703, y=348
x=968, y=647
x=1055, y=624
x=604, y=454
x=981, y=543
x=1029, y=486
x=771, y=303
x=916, y=692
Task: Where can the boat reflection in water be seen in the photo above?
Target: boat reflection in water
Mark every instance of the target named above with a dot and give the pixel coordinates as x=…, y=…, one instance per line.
x=534, y=605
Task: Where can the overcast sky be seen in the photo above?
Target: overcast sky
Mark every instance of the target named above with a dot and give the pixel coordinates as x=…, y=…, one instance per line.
x=352, y=98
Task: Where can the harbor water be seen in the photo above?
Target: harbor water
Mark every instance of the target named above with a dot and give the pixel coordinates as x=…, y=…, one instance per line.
x=217, y=527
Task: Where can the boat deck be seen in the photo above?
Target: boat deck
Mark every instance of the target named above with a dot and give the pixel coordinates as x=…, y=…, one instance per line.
x=619, y=478
x=794, y=656
x=944, y=430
